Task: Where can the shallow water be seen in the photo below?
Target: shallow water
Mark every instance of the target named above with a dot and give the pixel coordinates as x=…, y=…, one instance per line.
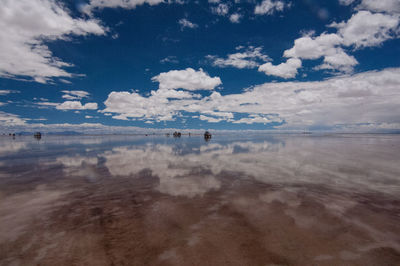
x=234, y=200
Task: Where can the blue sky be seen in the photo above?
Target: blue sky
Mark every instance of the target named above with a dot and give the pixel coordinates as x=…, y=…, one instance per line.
x=117, y=65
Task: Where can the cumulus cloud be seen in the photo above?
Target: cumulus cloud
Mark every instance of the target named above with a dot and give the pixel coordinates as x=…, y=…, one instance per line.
x=284, y=70
x=389, y=6
x=255, y=118
x=133, y=105
x=251, y=57
x=365, y=101
x=346, y=2
x=326, y=46
x=161, y=104
x=169, y=59
x=69, y=105
x=76, y=105
x=188, y=79
x=75, y=95
x=220, y=10
x=7, y=119
x=210, y=119
x=5, y=92
x=362, y=29
x=26, y=25
x=369, y=98
x=309, y=47
x=14, y=123
x=187, y=24
x=126, y=4
x=365, y=29
x=268, y=7
x=362, y=98
x=235, y=17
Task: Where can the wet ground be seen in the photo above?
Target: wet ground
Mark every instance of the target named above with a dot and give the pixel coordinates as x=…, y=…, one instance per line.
x=233, y=200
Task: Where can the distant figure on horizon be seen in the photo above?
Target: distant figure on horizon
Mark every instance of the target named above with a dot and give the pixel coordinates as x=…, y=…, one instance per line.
x=177, y=134
x=207, y=135
x=37, y=135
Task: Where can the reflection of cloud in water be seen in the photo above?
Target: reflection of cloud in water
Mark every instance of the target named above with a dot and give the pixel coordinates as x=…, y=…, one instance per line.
x=78, y=165
x=175, y=175
x=316, y=194
x=189, y=186
x=18, y=210
x=76, y=161
x=293, y=160
x=11, y=146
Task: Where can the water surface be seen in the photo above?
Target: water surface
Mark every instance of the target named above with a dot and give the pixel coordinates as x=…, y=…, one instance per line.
x=233, y=200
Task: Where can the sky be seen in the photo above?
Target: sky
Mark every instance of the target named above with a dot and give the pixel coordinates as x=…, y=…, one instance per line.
x=139, y=65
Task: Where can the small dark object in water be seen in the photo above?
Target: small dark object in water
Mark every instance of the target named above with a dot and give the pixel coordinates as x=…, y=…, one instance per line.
x=177, y=134
x=37, y=135
x=207, y=135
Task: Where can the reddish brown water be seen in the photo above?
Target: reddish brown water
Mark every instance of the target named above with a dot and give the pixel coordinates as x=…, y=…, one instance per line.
x=235, y=200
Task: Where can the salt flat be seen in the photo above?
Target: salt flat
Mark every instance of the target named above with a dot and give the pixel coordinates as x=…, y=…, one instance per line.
x=234, y=200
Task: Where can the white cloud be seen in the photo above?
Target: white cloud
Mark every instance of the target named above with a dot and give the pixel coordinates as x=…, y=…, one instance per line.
x=220, y=10
x=339, y=61
x=127, y=4
x=214, y=1
x=5, y=92
x=346, y=2
x=7, y=119
x=188, y=79
x=326, y=46
x=210, y=119
x=369, y=98
x=361, y=102
x=14, y=123
x=75, y=95
x=389, y=6
x=25, y=25
x=158, y=106
x=255, y=118
x=365, y=29
x=45, y=103
x=187, y=24
x=76, y=105
x=235, y=17
x=283, y=70
x=161, y=104
x=268, y=7
x=309, y=47
x=248, y=58
x=169, y=59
